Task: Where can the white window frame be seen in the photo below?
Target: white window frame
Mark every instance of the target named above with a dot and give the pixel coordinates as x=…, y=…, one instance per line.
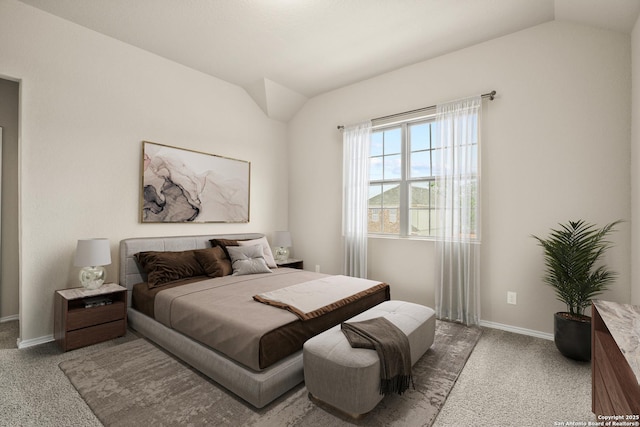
x=405, y=180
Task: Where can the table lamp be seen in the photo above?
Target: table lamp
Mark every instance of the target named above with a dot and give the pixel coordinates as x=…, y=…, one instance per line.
x=92, y=255
x=282, y=241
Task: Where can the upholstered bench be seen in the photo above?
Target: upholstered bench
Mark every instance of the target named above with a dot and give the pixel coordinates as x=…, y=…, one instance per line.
x=348, y=378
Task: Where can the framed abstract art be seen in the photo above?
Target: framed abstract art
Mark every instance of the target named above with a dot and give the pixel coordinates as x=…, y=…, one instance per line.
x=180, y=185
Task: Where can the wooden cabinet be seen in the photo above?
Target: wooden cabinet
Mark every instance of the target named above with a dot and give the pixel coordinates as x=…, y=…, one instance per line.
x=615, y=355
x=290, y=263
x=83, y=317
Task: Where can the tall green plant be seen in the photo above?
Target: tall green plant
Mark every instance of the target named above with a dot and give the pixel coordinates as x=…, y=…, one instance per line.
x=570, y=255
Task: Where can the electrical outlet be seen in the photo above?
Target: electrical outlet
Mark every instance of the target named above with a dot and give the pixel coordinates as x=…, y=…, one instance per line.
x=317, y=268
x=511, y=298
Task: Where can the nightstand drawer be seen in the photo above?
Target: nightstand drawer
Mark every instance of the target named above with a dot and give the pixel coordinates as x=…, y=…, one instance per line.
x=290, y=263
x=83, y=317
x=95, y=334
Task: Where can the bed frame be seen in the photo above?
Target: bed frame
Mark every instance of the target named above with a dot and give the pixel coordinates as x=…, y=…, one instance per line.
x=257, y=388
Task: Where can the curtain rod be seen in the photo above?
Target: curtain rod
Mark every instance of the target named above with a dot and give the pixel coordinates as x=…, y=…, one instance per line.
x=491, y=95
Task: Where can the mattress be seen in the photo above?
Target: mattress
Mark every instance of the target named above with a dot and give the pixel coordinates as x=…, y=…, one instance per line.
x=251, y=333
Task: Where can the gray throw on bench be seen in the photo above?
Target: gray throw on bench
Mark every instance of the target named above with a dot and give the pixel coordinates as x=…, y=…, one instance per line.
x=392, y=346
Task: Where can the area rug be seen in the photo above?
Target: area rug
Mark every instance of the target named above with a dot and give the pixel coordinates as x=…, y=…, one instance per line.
x=137, y=383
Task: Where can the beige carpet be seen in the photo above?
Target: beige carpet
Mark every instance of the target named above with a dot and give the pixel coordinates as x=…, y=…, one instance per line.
x=136, y=383
x=518, y=380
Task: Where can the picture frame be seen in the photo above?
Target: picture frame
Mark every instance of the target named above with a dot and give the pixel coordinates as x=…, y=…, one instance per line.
x=188, y=186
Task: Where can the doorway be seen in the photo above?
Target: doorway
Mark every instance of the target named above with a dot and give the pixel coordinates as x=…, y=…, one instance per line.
x=9, y=216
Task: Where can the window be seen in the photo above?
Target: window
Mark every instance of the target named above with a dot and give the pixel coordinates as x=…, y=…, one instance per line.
x=404, y=163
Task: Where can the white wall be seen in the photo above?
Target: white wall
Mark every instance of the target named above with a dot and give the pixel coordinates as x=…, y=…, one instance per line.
x=635, y=163
x=555, y=148
x=87, y=102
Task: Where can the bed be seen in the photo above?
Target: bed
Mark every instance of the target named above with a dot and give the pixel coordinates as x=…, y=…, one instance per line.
x=256, y=355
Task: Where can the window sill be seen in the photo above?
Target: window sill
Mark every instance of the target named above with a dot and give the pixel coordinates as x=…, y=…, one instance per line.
x=411, y=238
x=392, y=237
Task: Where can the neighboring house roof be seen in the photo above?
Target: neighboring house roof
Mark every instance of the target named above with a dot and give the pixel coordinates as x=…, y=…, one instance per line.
x=391, y=197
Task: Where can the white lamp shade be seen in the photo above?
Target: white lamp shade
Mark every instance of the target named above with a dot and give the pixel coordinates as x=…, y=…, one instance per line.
x=92, y=252
x=282, y=239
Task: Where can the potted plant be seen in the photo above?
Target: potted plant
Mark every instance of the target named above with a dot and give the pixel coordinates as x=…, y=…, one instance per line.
x=570, y=255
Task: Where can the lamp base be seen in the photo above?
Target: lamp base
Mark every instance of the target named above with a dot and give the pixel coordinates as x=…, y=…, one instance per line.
x=92, y=277
x=282, y=253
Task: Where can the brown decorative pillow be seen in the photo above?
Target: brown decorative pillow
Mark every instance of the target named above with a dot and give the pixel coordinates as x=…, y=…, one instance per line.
x=165, y=267
x=223, y=243
x=214, y=261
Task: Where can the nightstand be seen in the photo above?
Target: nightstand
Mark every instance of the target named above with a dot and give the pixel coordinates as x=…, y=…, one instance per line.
x=83, y=317
x=290, y=263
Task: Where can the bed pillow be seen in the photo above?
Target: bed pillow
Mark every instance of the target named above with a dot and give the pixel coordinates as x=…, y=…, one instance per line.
x=247, y=260
x=266, y=249
x=165, y=267
x=214, y=261
x=223, y=243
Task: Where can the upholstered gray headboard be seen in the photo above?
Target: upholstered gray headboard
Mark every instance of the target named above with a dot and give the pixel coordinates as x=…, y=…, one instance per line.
x=130, y=272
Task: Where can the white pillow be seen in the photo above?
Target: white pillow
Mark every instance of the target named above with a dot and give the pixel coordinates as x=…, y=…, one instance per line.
x=247, y=260
x=266, y=249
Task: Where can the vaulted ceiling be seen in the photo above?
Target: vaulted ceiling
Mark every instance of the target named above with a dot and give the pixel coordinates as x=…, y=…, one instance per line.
x=283, y=52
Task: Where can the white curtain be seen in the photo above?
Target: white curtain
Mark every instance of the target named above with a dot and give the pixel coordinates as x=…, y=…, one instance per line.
x=457, y=132
x=355, y=197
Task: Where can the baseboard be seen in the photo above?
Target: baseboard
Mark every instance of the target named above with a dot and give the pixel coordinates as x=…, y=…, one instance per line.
x=34, y=341
x=493, y=325
x=27, y=343
x=9, y=318
x=517, y=330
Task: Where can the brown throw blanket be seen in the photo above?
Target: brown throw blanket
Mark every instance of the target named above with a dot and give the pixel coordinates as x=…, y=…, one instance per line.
x=392, y=346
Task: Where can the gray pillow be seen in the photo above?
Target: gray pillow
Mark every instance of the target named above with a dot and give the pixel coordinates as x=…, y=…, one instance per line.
x=247, y=260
